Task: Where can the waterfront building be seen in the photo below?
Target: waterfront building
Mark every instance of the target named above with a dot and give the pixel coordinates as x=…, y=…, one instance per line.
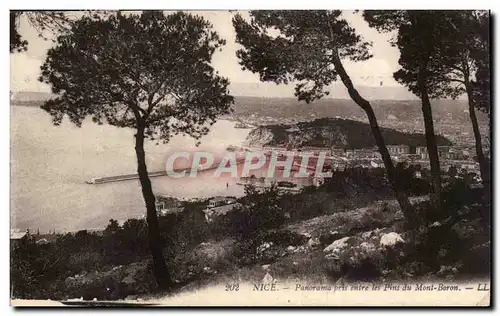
x=398, y=149
x=165, y=206
x=212, y=212
x=422, y=152
x=220, y=201
x=18, y=238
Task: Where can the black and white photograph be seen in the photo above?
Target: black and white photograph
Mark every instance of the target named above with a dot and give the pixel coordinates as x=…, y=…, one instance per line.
x=250, y=158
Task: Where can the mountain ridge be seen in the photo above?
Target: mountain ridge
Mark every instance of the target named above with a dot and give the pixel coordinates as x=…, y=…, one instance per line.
x=287, y=107
x=336, y=91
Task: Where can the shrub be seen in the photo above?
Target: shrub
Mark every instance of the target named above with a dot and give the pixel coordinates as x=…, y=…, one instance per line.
x=458, y=193
x=282, y=238
x=85, y=261
x=258, y=212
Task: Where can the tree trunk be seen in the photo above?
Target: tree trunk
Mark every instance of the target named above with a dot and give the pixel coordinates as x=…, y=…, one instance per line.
x=423, y=54
x=483, y=164
x=430, y=138
x=160, y=270
x=401, y=197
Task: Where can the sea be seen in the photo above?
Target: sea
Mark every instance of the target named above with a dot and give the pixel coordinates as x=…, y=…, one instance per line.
x=50, y=164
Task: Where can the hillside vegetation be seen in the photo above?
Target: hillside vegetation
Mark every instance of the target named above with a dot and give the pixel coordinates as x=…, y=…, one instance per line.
x=340, y=231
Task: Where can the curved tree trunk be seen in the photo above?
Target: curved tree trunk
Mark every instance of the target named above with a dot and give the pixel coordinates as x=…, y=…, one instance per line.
x=430, y=138
x=417, y=18
x=483, y=164
x=160, y=270
x=401, y=197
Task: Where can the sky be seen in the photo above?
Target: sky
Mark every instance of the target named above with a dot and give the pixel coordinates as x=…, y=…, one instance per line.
x=25, y=66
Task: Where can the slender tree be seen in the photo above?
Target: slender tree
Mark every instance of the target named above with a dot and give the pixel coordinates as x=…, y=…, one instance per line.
x=458, y=62
x=150, y=72
x=464, y=68
x=417, y=37
x=479, y=88
x=307, y=47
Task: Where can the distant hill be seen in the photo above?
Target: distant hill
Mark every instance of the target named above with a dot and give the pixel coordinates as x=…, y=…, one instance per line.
x=328, y=132
x=403, y=110
x=245, y=106
x=29, y=98
x=337, y=91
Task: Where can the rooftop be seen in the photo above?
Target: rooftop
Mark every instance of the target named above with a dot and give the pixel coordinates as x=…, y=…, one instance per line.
x=220, y=210
x=17, y=234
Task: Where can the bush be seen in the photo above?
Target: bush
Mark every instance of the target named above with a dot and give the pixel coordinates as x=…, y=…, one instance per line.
x=282, y=238
x=407, y=181
x=85, y=261
x=458, y=193
x=306, y=205
x=184, y=230
x=456, y=245
x=259, y=211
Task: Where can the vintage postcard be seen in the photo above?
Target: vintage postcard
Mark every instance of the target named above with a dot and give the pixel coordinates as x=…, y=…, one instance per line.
x=250, y=158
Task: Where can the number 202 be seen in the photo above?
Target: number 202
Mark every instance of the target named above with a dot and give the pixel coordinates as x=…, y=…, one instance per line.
x=232, y=287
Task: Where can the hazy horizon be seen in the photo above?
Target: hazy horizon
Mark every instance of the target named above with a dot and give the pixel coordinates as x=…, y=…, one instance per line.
x=398, y=93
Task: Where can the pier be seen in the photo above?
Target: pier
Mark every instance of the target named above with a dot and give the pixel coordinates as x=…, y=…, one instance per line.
x=124, y=177
x=134, y=176
x=310, y=167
